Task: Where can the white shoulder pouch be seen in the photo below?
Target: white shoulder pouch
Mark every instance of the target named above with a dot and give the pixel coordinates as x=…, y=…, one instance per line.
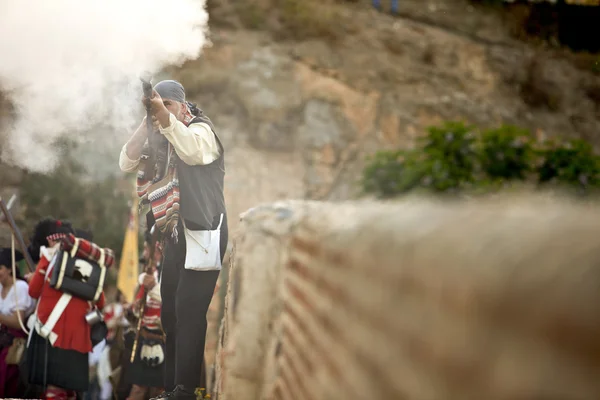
x=203, y=249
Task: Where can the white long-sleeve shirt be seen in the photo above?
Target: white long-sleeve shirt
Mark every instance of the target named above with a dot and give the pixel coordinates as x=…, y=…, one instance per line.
x=195, y=144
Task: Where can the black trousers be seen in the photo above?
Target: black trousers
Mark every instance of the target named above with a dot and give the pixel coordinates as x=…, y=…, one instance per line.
x=186, y=296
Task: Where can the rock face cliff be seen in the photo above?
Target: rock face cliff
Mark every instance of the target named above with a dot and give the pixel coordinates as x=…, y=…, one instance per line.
x=298, y=117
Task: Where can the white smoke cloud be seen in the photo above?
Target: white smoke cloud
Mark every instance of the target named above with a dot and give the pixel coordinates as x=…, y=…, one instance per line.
x=70, y=65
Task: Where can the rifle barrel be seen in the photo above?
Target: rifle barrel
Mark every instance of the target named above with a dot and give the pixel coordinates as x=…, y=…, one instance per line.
x=8, y=207
x=17, y=233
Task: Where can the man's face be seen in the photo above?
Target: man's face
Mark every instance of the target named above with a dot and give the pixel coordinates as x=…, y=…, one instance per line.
x=176, y=108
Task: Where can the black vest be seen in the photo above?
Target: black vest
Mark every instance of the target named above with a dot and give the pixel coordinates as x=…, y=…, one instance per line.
x=201, y=188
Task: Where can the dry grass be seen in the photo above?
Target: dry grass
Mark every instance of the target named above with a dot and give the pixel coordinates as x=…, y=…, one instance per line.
x=391, y=42
x=291, y=19
x=303, y=19
x=593, y=92
x=252, y=14
x=536, y=90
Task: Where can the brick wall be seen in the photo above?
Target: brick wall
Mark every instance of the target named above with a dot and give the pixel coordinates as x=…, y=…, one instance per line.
x=415, y=300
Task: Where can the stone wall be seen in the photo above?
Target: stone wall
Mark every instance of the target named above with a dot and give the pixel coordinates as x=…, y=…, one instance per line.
x=416, y=300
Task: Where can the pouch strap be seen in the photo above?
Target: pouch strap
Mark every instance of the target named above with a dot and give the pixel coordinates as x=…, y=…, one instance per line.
x=75, y=248
x=46, y=330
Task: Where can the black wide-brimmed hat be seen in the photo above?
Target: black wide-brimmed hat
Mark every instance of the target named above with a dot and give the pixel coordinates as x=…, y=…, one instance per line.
x=6, y=256
x=47, y=228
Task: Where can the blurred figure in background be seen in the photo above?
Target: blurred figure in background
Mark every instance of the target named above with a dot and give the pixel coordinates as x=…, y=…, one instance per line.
x=146, y=372
x=94, y=392
x=15, y=307
x=114, y=316
x=394, y=6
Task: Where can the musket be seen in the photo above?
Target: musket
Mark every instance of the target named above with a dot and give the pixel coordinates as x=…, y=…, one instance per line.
x=16, y=232
x=156, y=163
x=9, y=206
x=154, y=232
x=147, y=89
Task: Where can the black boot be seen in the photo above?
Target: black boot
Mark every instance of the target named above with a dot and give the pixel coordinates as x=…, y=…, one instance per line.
x=182, y=393
x=163, y=396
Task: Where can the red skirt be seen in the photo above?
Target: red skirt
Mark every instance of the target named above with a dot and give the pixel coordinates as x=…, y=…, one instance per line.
x=10, y=382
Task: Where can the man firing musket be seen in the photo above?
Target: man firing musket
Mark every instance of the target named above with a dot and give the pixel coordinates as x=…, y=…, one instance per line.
x=181, y=169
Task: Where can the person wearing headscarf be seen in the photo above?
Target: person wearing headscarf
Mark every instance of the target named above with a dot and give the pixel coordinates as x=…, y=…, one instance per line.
x=58, y=362
x=184, y=194
x=394, y=6
x=15, y=306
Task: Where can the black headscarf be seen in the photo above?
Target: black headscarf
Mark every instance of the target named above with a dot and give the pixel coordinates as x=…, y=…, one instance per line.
x=171, y=90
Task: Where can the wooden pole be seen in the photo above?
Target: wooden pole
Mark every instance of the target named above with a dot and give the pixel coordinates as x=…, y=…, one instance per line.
x=17, y=233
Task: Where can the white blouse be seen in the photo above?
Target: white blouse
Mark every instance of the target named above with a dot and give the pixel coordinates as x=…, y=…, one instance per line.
x=17, y=299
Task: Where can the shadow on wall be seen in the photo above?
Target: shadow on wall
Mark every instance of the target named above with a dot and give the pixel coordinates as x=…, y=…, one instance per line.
x=572, y=23
x=416, y=299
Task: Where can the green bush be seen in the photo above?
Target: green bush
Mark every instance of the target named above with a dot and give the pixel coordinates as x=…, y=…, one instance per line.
x=572, y=162
x=506, y=152
x=390, y=173
x=449, y=153
x=455, y=156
